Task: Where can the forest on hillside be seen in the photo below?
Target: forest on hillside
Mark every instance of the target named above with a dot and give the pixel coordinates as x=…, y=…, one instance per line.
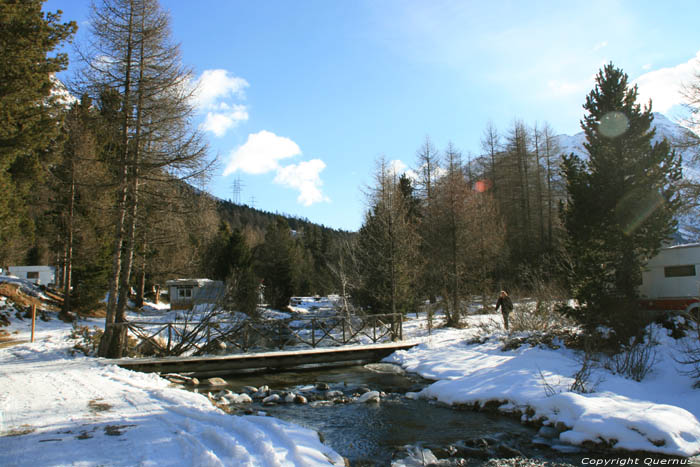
x=109, y=186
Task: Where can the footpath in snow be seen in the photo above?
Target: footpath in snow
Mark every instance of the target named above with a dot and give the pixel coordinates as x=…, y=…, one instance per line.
x=659, y=414
x=57, y=409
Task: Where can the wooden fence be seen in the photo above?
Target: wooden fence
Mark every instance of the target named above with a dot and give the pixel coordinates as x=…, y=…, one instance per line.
x=235, y=336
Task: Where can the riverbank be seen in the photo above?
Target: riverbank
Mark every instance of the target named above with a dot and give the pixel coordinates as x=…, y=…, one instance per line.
x=61, y=409
x=657, y=415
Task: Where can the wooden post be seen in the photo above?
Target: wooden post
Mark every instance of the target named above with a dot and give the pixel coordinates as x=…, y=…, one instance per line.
x=33, y=320
x=344, y=340
x=313, y=332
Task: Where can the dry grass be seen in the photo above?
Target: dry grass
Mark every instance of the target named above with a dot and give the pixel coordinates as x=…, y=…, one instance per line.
x=99, y=311
x=16, y=296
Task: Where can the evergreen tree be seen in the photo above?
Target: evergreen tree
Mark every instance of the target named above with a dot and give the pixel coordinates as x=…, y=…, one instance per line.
x=29, y=115
x=275, y=265
x=232, y=262
x=77, y=185
x=621, y=201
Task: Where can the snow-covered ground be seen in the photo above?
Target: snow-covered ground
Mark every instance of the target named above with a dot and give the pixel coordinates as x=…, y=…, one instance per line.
x=659, y=414
x=61, y=409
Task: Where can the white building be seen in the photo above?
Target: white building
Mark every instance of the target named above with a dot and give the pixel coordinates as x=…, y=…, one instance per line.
x=670, y=279
x=185, y=293
x=44, y=275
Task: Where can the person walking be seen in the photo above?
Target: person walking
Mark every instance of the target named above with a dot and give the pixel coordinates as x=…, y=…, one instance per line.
x=506, y=305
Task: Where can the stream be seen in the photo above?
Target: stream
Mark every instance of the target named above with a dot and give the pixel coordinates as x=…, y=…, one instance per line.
x=375, y=434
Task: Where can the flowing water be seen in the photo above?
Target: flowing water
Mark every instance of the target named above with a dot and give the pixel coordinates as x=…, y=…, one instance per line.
x=375, y=433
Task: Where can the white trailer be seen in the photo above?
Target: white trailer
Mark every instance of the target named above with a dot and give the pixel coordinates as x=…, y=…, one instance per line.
x=186, y=293
x=670, y=279
x=44, y=275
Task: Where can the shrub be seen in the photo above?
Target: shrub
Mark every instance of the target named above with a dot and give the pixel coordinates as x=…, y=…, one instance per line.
x=636, y=359
x=88, y=339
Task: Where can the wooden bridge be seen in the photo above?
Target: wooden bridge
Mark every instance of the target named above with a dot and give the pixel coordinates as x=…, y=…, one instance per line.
x=219, y=365
x=196, y=347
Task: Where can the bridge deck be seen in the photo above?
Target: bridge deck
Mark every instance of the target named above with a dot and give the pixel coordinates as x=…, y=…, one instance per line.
x=230, y=364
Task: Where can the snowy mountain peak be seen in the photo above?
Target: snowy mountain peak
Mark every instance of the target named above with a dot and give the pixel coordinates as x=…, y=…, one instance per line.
x=665, y=128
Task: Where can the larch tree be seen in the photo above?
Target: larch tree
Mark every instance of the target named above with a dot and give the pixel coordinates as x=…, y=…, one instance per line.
x=688, y=144
x=428, y=172
x=621, y=201
x=387, y=246
x=471, y=236
x=491, y=147
x=132, y=52
x=555, y=192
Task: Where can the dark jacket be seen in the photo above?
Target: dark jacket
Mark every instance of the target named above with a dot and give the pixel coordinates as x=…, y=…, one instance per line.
x=505, y=304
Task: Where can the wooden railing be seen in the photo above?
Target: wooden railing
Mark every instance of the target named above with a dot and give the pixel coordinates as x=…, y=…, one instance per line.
x=235, y=336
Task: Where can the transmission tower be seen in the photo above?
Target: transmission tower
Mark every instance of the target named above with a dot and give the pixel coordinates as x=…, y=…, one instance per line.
x=237, y=187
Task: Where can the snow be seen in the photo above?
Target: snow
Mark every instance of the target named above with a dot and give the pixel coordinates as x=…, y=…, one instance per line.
x=25, y=286
x=59, y=409
x=659, y=414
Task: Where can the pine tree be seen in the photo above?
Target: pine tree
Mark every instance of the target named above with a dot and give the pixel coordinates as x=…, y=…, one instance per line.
x=276, y=266
x=621, y=201
x=232, y=261
x=29, y=115
x=78, y=179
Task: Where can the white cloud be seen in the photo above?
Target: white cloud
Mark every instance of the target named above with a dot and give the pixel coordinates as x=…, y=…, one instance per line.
x=220, y=122
x=558, y=88
x=216, y=85
x=261, y=153
x=304, y=177
x=397, y=166
x=600, y=45
x=664, y=86
x=215, y=91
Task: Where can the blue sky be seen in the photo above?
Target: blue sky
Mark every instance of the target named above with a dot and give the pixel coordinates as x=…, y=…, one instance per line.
x=300, y=98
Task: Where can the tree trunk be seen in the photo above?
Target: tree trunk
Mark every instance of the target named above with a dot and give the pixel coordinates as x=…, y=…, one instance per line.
x=68, y=266
x=119, y=342
x=106, y=343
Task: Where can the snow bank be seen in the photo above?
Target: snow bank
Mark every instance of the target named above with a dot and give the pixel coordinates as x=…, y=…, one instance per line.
x=659, y=414
x=27, y=287
x=59, y=410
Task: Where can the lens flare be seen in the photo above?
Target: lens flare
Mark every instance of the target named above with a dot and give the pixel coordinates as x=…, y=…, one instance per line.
x=613, y=124
x=634, y=208
x=482, y=186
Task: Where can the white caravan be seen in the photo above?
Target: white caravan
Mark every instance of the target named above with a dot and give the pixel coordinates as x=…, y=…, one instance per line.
x=45, y=275
x=670, y=279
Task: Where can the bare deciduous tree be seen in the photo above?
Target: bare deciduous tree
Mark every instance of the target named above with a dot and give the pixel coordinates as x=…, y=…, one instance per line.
x=132, y=52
